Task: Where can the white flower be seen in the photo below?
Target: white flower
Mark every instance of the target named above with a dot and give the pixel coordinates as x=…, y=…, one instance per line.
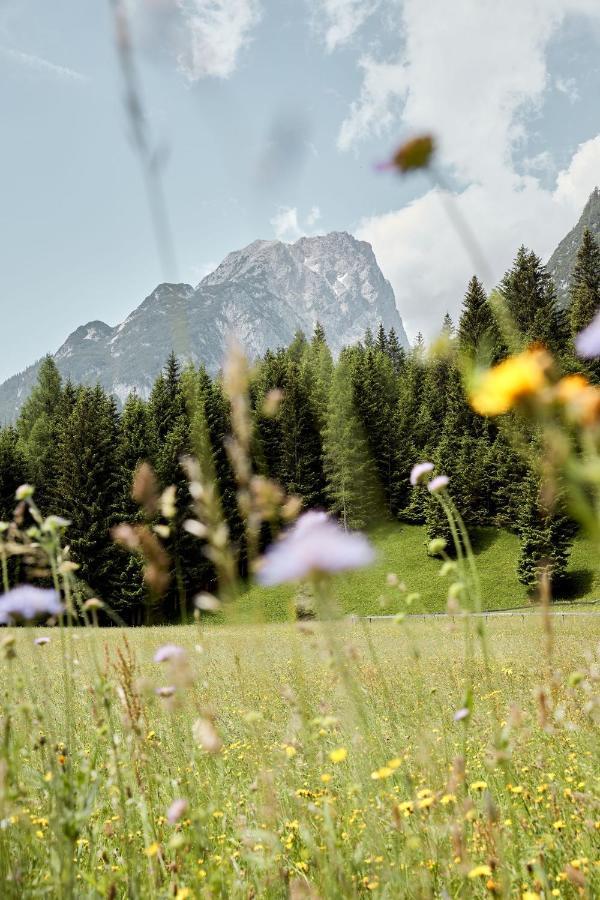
x=438, y=484
x=168, y=652
x=588, y=340
x=314, y=544
x=419, y=471
x=28, y=602
x=39, y=642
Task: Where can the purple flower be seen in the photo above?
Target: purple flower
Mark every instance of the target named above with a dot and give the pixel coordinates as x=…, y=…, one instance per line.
x=29, y=602
x=419, y=471
x=39, y=642
x=438, y=484
x=168, y=652
x=588, y=340
x=461, y=714
x=316, y=543
x=176, y=810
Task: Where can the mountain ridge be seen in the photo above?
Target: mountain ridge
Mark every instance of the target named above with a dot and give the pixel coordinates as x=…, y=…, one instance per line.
x=262, y=293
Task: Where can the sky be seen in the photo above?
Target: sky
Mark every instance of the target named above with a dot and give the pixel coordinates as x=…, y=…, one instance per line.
x=267, y=118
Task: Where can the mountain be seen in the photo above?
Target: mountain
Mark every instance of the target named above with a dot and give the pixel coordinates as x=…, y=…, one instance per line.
x=262, y=294
x=560, y=265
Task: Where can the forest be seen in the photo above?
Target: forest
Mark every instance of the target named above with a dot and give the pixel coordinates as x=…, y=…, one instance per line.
x=340, y=434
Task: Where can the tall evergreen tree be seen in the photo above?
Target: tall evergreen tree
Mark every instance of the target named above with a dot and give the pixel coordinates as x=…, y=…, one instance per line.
x=584, y=290
x=38, y=428
x=301, y=458
x=545, y=535
x=352, y=486
x=13, y=471
x=477, y=333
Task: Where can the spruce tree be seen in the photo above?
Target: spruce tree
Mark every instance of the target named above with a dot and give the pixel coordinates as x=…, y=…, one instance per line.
x=477, y=333
x=352, y=487
x=545, y=536
x=301, y=461
x=395, y=351
x=13, y=471
x=584, y=289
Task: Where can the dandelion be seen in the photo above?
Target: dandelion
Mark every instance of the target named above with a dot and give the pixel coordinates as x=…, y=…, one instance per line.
x=315, y=544
x=176, y=810
x=438, y=484
x=29, y=602
x=478, y=785
x=511, y=381
x=40, y=641
x=418, y=472
x=168, y=653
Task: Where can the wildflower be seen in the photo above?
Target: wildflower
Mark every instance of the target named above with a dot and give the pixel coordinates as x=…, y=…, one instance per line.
x=290, y=751
x=414, y=154
x=418, y=472
x=207, y=602
x=24, y=492
x=478, y=785
x=166, y=691
x=438, y=484
x=339, y=755
x=93, y=603
x=176, y=810
x=514, y=379
x=153, y=849
x=559, y=825
x=28, y=602
x=39, y=642
x=580, y=398
x=168, y=652
x=383, y=772
x=206, y=736
x=587, y=341
x=462, y=713
x=315, y=544
x=480, y=872
x=326, y=777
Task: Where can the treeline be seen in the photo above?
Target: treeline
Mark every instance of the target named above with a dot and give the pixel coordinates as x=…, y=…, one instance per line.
x=344, y=437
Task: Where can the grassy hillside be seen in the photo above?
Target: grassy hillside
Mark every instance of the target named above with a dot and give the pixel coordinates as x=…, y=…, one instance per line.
x=401, y=549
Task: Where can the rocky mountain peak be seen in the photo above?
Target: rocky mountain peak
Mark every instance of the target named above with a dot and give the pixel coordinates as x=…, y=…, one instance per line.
x=560, y=265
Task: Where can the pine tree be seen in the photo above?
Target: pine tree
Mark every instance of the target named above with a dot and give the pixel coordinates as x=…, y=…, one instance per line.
x=13, y=471
x=88, y=487
x=584, y=290
x=395, y=351
x=545, y=536
x=530, y=297
x=301, y=461
x=38, y=428
x=352, y=486
x=477, y=332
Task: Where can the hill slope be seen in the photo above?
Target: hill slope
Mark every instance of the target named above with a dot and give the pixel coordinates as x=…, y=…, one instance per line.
x=560, y=265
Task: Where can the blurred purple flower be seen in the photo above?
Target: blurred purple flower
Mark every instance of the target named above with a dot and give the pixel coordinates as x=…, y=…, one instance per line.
x=588, y=340
x=316, y=543
x=41, y=641
x=419, y=471
x=168, y=652
x=29, y=602
x=438, y=484
x=461, y=714
x=176, y=810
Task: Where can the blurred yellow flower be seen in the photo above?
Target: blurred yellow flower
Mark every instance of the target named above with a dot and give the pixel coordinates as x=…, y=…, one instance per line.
x=480, y=872
x=580, y=398
x=339, y=755
x=503, y=386
x=152, y=850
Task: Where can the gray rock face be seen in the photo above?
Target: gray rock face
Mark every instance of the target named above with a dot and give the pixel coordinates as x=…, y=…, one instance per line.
x=560, y=265
x=261, y=295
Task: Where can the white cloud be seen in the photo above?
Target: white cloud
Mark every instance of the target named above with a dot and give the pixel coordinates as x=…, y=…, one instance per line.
x=289, y=226
x=217, y=30
x=42, y=66
x=428, y=266
x=339, y=20
x=471, y=72
x=568, y=86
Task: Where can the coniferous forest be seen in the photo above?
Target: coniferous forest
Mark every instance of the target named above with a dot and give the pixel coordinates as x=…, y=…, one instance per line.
x=341, y=434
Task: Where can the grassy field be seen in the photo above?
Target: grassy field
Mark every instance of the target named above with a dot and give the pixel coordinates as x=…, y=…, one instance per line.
x=401, y=549
x=314, y=761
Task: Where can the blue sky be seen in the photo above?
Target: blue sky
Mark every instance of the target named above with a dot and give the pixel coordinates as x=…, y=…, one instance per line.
x=268, y=116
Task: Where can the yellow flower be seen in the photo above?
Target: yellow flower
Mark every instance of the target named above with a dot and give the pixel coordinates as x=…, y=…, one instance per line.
x=503, y=386
x=290, y=751
x=339, y=755
x=478, y=785
x=480, y=872
x=326, y=777
x=384, y=772
x=559, y=825
x=152, y=850
x=448, y=798
x=530, y=895
x=581, y=399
